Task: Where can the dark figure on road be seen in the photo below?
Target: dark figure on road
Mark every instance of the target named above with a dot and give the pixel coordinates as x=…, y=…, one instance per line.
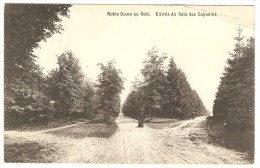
x=141, y=120
x=193, y=115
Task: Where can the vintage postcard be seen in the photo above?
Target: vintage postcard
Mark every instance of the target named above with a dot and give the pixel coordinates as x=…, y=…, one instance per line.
x=129, y=83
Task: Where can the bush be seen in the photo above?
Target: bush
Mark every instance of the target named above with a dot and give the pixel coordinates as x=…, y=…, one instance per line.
x=76, y=114
x=14, y=116
x=17, y=116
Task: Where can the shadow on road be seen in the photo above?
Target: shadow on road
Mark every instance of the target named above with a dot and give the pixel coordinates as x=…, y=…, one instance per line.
x=29, y=152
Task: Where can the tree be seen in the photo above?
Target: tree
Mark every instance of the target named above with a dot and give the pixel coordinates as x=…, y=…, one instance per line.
x=65, y=84
x=181, y=99
x=24, y=26
x=135, y=100
x=109, y=87
x=154, y=80
x=173, y=90
x=89, y=98
x=234, y=101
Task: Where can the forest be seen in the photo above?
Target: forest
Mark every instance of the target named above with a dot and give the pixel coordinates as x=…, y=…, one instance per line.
x=163, y=91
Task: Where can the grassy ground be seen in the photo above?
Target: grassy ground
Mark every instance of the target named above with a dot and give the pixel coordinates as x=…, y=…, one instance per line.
x=161, y=123
x=100, y=130
x=242, y=140
x=56, y=123
x=29, y=152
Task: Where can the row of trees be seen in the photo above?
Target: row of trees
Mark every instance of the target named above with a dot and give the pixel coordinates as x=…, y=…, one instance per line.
x=234, y=101
x=65, y=93
x=163, y=92
x=74, y=94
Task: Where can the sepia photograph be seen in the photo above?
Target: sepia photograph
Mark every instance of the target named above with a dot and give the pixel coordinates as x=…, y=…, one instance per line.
x=128, y=83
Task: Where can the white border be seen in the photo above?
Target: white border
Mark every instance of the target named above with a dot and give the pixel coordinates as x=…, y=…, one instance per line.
x=256, y=3
x=182, y=2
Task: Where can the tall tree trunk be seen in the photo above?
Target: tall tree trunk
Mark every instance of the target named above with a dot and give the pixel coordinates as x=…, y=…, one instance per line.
x=108, y=117
x=171, y=111
x=150, y=113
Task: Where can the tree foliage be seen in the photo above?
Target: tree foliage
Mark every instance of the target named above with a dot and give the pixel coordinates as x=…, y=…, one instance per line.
x=163, y=92
x=154, y=80
x=90, y=100
x=65, y=92
x=65, y=83
x=24, y=26
x=234, y=101
x=109, y=87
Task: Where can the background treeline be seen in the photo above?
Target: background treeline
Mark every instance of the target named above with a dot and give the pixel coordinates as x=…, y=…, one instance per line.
x=32, y=98
x=162, y=92
x=234, y=102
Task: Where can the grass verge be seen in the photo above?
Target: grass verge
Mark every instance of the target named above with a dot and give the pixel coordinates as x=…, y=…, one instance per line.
x=231, y=138
x=56, y=123
x=99, y=130
x=27, y=152
x=161, y=123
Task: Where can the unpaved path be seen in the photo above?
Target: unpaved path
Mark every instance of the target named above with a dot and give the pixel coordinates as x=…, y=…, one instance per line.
x=185, y=143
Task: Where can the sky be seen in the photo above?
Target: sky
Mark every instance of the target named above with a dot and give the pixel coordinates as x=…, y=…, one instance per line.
x=199, y=45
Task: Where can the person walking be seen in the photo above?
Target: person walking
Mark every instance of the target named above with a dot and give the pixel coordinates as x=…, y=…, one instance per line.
x=141, y=119
x=193, y=115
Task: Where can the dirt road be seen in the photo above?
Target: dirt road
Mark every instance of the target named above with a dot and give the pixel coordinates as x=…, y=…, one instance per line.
x=184, y=143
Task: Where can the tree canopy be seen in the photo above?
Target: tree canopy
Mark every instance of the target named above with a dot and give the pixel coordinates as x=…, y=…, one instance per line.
x=163, y=92
x=234, y=101
x=109, y=87
x=25, y=25
x=65, y=83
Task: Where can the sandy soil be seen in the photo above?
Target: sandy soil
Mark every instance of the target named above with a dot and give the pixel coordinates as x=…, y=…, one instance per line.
x=184, y=143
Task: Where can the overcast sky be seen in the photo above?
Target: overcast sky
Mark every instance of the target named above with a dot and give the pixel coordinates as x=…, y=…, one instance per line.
x=200, y=45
